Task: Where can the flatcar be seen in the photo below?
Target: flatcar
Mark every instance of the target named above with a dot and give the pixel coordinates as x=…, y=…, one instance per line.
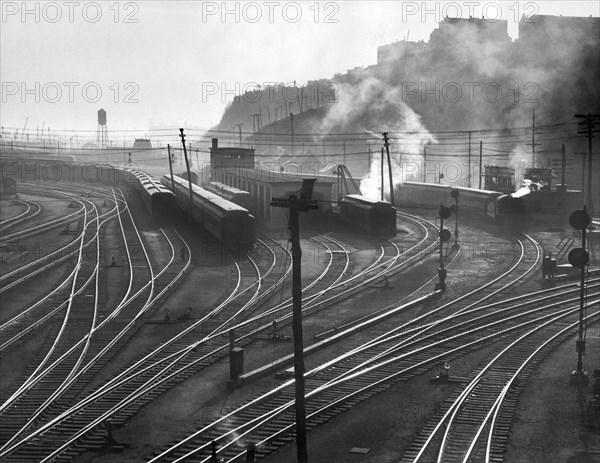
x=240, y=197
x=158, y=200
x=369, y=216
x=229, y=223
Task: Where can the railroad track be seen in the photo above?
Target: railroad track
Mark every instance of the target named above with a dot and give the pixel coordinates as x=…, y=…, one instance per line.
x=331, y=388
x=161, y=368
x=474, y=423
x=32, y=209
x=406, y=337
x=100, y=343
x=30, y=320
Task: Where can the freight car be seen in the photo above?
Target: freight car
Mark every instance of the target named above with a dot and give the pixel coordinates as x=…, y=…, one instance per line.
x=511, y=213
x=472, y=202
x=158, y=200
x=229, y=223
x=235, y=195
x=369, y=216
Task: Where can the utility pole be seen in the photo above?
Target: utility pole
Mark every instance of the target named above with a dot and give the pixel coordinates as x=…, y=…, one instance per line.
x=469, y=163
x=454, y=194
x=533, y=143
x=187, y=166
x=171, y=168
x=387, y=149
x=297, y=205
x=292, y=125
x=240, y=131
x=480, y=162
x=382, y=178
x=588, y=122
x=563, y=168
x=425, y=164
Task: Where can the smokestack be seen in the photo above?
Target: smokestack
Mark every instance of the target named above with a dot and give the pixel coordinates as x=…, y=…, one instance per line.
x=215, y=143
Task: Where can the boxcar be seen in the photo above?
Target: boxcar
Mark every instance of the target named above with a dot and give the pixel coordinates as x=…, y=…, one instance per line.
x=368, y=216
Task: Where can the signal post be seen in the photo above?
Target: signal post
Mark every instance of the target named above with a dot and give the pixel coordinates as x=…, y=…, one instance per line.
x=297, y=205
x=444, y=236
x=579, y=258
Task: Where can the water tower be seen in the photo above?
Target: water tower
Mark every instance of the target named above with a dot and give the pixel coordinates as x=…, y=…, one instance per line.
x=102, y=133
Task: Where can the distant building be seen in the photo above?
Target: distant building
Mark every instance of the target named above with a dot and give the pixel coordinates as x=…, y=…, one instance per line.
x=398, y=50
x=453, y=32
x=230, y=157
x=500, y=179
x=561, y=34
x=264, y=185
x=142, y=144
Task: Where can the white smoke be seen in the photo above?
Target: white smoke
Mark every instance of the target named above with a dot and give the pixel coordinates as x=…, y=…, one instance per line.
x=372, y=106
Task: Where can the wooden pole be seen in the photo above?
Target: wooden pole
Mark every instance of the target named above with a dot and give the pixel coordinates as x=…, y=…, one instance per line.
x=387, y=149
x=187, y=166
x=171, y=168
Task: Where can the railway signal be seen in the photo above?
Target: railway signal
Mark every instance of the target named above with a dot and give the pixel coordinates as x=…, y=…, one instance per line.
x=296, y=205
x=445, y=235
x=579, y=258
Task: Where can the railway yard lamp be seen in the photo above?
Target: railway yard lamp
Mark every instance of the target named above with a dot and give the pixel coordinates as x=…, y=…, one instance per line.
x=579, y=258
x=296, y=205
x=444, y=236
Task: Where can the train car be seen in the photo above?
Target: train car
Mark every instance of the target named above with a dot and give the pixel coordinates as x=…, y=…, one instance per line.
x=511, y=215
x=369, y=216
x=478, y=203
x=472, y=202
x=237, y=196
x=158, y=200
x=227, y=222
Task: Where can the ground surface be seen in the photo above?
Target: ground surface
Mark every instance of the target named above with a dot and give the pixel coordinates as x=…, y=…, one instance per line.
x=547, y=426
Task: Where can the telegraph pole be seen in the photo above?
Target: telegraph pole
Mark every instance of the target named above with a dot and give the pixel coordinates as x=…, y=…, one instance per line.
x=387, y=149
x=297, y=205
x=187, y=166
x=425, y=164
x=469, y=163
x=292, y=125
x=533, y=143
x=588, y=122
x=563, y=169
x=480, y=162
x=382, y=178
x=454, y=194
x=171, y=167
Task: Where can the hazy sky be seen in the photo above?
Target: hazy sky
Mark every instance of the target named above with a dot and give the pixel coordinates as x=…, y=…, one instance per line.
x=178, y=62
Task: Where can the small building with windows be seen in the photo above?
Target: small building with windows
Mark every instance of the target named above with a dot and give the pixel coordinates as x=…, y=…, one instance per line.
x=235, y=167
x=500, y=179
